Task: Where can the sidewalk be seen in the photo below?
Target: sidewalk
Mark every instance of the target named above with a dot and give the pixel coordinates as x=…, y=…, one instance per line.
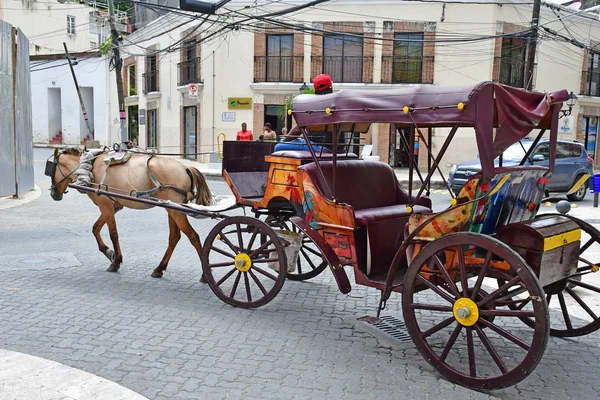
x=214, y=171
x=9, y=201
x=25, y=377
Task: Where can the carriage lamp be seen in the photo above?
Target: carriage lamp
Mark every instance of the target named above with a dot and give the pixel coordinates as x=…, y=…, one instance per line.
x=303, y=88
x=570, y=103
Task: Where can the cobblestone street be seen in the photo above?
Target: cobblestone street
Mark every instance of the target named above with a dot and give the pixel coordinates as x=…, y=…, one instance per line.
x=172, y=338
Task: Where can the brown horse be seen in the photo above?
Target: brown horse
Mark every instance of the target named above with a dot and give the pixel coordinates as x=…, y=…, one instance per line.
x=180, y=184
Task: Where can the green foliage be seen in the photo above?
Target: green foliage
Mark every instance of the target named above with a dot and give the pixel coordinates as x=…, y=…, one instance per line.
x=105, y=47
x=282, y=112
x=132, y=91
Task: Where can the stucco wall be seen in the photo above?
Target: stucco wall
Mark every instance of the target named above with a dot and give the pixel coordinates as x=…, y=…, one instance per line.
x=90, y=73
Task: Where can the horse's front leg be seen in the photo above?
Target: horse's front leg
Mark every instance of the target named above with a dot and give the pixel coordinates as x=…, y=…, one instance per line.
x=174, y=236
x=114, y=237
x=96, y=229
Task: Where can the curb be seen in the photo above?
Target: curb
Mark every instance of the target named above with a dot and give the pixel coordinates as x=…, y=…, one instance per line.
x=10, y=202
x=24, y=375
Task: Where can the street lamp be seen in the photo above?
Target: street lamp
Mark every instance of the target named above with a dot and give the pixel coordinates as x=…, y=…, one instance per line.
x=304, y=88
x=570, y=103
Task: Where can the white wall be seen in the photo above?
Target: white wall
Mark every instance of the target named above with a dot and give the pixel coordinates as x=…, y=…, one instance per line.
x=45, y=24
x=90, y=73
x=54, y=113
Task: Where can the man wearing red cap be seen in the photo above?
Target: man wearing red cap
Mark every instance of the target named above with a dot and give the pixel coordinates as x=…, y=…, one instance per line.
x=322, y=85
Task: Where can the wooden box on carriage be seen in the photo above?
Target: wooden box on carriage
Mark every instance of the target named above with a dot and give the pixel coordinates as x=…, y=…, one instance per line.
x=548, y=243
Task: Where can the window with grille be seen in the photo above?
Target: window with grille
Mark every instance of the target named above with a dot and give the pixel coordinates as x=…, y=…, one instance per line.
x=512, y=62
x=343, y=58
x=407, y=64
x=70, y=24
x=280, y=56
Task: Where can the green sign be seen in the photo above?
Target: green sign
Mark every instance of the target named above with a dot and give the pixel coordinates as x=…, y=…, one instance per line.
x=239, y=103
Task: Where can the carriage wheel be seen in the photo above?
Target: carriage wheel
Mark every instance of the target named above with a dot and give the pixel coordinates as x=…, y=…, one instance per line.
x=461, y=325
x=310, y=262
x=241, y=269
x=575, y=298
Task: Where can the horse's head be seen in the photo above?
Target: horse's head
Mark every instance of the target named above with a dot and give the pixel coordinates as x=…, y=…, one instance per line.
x=60, y=167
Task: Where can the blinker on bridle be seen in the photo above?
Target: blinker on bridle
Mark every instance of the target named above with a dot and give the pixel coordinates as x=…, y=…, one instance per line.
x=50, y=170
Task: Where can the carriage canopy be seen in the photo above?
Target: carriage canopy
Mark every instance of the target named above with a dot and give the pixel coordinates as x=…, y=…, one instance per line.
x=512, y=111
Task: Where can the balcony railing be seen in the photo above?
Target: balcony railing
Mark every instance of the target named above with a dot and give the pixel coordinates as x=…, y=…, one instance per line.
x=150, y=80
x=406, y=69
x=591, y=83
x=189, y=72
x=278, y=69
x=511, y=71
x=344, y=69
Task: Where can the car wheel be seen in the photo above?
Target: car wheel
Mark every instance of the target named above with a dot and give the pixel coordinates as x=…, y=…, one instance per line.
x=579, y=194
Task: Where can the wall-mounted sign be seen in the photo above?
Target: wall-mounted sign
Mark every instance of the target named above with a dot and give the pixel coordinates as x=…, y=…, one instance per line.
x=239, y=103
x=142, y=116
x=228, y=117
x=193, y=90
x=565, y=124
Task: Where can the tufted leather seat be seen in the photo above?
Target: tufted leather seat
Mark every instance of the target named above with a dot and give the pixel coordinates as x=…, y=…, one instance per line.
x=370, y=187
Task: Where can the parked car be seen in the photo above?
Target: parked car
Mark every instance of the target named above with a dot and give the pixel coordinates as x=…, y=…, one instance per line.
x=572, y=161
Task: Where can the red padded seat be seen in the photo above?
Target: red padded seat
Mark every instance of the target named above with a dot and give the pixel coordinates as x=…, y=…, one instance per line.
x=364, y=185
x=379, y=205
x=305, y=155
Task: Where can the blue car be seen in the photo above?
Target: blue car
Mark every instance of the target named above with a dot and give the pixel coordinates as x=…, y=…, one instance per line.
x=572, y=161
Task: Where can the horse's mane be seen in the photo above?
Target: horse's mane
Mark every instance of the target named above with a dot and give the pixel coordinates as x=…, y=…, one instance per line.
x=73, y=151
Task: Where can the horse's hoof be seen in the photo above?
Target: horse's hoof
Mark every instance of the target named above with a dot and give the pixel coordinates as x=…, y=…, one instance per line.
x=156, y=274
x=113, y=269
x=203, y=279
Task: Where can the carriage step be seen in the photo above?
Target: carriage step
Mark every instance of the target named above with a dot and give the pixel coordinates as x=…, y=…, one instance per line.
x=389, y=327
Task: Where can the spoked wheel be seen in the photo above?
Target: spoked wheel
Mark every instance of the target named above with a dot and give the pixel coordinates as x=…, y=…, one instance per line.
x=461, y=325
x=310, y=262
x=236, y=262
x=573, y=303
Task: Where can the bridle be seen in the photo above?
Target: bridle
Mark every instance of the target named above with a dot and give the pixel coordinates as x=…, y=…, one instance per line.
x=51, y=166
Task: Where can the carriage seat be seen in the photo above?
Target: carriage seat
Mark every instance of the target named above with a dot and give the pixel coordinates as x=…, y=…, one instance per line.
x=370, y=187
x=305, y=155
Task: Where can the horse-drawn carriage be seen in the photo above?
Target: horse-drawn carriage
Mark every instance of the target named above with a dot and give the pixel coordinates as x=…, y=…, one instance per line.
x=476, y=279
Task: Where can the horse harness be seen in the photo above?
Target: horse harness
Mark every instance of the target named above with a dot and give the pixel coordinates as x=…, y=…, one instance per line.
x=110, y=159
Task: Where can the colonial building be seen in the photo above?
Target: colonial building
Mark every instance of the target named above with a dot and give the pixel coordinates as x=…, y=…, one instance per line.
x=247, y=74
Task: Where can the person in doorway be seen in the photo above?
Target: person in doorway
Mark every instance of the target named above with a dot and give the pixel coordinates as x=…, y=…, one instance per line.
x=245, y=133
x=269, y=134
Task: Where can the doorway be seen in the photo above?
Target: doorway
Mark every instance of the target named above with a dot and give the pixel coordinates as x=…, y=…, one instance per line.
x=54, y=116
x=590, y=130
x=87, y=94
x=272, y=117
x=133, y=125
x=189, y=133
x=400, y=142
x=152, y=129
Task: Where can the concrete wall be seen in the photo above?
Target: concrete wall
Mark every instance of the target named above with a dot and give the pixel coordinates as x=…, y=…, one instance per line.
x=91, y=74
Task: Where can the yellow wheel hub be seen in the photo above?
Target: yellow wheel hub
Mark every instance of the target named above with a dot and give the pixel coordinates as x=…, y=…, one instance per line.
x=465, y=311
x=595, y=268
x=242, y=262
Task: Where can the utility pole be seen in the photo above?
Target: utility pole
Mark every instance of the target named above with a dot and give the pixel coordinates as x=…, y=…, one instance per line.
x=531, y=48
x=81, y=103
x=118, y=64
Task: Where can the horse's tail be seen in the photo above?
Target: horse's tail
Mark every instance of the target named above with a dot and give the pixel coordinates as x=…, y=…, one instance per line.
x=202, y=193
